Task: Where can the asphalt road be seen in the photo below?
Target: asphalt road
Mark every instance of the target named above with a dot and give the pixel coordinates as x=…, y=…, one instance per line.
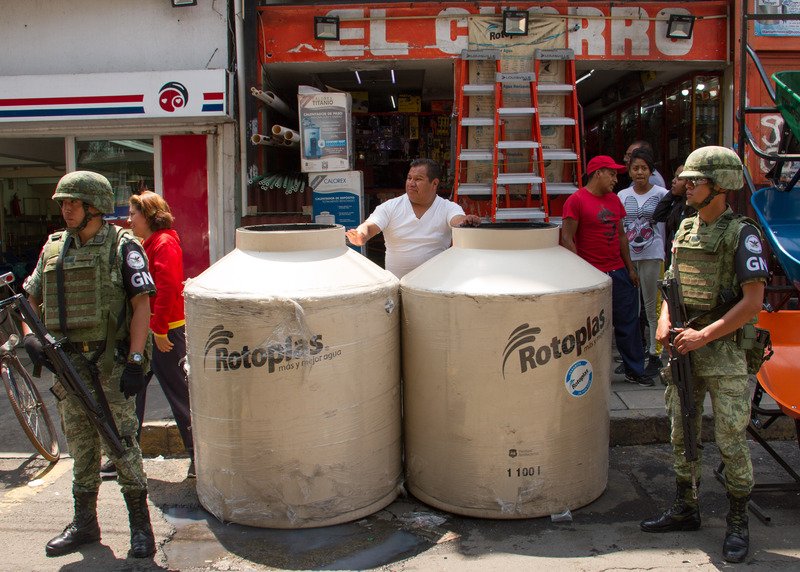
x=406, y=536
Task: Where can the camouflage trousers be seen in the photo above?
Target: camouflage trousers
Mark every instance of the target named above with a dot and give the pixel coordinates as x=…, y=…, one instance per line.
x=85, y=443
x=730, y=401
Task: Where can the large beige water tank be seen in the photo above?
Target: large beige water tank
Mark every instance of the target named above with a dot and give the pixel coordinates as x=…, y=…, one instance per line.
x=293, y=345
x=506, y=367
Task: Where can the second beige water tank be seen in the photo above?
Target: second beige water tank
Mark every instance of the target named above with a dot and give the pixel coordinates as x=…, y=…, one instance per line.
x=294, y=380
x=506, y=367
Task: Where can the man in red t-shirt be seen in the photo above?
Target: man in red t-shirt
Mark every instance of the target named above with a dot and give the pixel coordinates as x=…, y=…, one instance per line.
x=592, y=229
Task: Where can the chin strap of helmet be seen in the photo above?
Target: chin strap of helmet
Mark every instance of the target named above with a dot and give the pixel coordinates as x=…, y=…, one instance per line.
x=711, y=196
x=87, y=217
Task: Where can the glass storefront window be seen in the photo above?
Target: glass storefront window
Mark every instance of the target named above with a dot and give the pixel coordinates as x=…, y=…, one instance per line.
x=629, y=124
x=678, y=104
x=127, y=163
x=707, y=100
x=652, y=119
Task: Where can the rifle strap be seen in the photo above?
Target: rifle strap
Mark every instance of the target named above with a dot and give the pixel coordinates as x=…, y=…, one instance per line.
x=716, y=312
x=102, y=400
x=114, y=315
x=60, y=291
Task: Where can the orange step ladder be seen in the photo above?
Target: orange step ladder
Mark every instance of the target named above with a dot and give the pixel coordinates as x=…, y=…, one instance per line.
x=516, y=184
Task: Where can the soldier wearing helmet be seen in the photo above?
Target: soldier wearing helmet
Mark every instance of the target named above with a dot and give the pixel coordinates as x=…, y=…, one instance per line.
x=716, y=256
x=92, y=287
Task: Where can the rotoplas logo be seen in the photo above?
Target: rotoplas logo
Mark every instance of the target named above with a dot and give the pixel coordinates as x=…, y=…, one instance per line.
x=521, y=343
x=224, y=358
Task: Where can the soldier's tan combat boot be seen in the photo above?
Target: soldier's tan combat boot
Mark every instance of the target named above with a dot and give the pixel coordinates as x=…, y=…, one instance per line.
x=684, y=514
x=143, y=542
x=737, y=536
x=83, y=529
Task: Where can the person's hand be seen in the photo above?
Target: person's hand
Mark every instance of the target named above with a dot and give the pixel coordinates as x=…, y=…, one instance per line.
x=688, y=340
x=162, y=343
x=471, y=220
x=132, y=380
x=356, y=237
x=634, y=276
x=662, y=334
x=35, y=351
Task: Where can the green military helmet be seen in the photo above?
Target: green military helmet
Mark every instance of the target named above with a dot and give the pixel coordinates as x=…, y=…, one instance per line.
x=720, y=164
x=87, y=186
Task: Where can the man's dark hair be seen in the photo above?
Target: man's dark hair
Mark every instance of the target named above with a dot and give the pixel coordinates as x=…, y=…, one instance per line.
x=432, y=168
x=642, y=144
x=644, y=155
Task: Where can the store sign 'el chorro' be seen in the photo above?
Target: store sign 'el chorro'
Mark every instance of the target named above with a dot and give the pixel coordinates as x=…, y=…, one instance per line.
x=593, y=31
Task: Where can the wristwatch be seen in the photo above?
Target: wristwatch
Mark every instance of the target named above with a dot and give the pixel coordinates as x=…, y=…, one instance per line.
x=135, y=358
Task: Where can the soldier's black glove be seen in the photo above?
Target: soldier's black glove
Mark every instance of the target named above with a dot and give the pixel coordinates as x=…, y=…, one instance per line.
x=35, y=351
x=132, y=380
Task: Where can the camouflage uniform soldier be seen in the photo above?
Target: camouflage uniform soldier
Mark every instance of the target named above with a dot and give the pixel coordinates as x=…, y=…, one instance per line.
x=716, y=254
x=93, y=285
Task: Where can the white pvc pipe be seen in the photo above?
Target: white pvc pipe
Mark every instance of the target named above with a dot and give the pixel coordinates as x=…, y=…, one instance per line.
x=282, y=132
x=273, y=101
x=258, y=139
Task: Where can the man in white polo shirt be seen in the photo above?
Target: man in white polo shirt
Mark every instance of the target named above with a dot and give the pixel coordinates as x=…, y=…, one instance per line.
x=416, y=226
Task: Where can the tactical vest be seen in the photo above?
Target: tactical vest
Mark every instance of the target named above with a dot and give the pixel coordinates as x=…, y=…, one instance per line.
x=94, y=294
x=704, y=258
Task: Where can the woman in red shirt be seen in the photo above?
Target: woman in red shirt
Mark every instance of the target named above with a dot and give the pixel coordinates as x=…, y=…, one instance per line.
x=151, y=220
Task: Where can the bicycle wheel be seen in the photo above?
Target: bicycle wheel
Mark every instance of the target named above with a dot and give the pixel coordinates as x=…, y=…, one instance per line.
x=29, y=408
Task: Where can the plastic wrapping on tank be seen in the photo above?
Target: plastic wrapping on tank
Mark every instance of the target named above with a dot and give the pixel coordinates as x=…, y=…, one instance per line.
x=506, y=367
x=293, y=347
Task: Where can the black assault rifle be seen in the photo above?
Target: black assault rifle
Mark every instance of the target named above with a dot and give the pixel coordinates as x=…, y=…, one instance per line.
x=68, y=380
x=680, y=366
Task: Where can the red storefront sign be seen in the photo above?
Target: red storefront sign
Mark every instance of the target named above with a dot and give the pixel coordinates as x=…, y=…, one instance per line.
x=433, y=30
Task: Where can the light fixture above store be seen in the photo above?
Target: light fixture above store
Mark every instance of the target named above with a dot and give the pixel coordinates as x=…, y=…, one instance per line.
x=515, y=22
x=326, y=27
x=680, y=26
x=701, y=86
x=394, y=103
x=394, y=80
x=358, y=77
x=181, y=3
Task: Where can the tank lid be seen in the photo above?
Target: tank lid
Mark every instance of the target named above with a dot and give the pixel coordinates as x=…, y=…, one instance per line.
x=507, y=236
x=290, y=237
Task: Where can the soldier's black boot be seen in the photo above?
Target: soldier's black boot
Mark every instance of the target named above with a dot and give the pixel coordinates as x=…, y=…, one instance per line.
x=737, y=536
x=143, y=542
x=83, y=529
x=684, y=514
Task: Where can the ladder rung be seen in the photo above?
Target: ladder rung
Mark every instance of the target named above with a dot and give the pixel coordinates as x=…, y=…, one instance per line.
x=556, y=220
x=518, y=77
x=474, y=189
x=477, y=121
x=559, y=155
x=554, y=54
x=555, y=88
x=526, y=214
x=518, y=179
x=516, y=111
x=556, y=121
x=517, y=145
x=478, y=89
x=476, y=155
x=561, y=188
x=480, y=54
